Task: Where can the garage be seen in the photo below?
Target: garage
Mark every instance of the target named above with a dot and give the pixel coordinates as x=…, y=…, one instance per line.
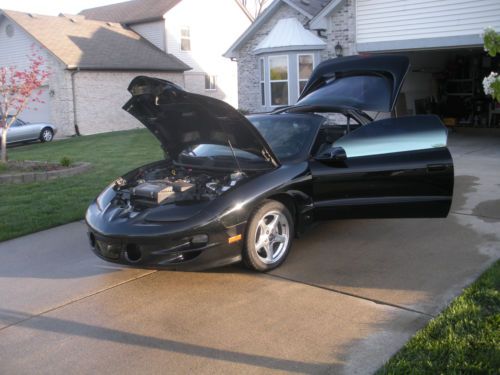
x=448, y=83
x=443, y=40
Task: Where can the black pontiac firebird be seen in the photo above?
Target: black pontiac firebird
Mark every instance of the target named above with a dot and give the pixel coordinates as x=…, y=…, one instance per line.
x=237, y=188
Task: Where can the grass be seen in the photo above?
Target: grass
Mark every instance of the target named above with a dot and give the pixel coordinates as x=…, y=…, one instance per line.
x=28, y=208
x=464, y=339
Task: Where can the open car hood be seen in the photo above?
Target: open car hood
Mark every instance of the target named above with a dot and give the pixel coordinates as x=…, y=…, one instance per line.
x=180, y=119
x=366, y=83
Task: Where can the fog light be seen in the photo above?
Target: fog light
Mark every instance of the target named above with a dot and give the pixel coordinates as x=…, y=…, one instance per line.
x=199, y=239
x=92, y=240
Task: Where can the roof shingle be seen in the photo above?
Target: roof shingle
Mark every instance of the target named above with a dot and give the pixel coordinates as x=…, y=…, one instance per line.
x=94, y=45
x=130, y=12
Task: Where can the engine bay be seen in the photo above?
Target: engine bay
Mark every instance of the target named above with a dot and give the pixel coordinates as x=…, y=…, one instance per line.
x=159, y=185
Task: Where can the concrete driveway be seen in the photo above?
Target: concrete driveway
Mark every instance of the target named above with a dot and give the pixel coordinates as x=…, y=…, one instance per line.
x=348, y=297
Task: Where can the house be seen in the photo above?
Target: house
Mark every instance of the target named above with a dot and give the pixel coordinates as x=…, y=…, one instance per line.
x=441, y=38
x=91, y=64
x=197, y=32
x=94, y=56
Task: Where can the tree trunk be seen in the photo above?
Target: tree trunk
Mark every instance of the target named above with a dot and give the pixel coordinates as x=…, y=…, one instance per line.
x=4, y=145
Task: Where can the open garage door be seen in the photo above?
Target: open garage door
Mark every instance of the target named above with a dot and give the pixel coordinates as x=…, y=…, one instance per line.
x=448, y=83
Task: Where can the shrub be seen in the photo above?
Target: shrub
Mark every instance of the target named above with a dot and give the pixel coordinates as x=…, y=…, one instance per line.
x=66, y=162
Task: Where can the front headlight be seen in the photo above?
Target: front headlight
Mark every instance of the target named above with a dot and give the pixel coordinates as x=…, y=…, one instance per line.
x=106, y=196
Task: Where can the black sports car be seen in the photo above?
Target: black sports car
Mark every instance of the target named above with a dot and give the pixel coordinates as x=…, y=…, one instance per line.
x=237, y=188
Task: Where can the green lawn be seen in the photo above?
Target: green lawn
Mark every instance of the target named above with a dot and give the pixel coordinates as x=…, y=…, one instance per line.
x=464, y=339
x=27, y=208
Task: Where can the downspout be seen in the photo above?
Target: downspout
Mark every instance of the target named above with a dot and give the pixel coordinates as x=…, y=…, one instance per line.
x=75, y=69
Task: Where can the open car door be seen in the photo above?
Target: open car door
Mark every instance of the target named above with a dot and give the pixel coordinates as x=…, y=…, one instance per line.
x=398, y=167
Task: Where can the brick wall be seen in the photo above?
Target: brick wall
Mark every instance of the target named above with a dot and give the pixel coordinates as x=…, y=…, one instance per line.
x=101, y=95
x=341, y=28
x=61, y=100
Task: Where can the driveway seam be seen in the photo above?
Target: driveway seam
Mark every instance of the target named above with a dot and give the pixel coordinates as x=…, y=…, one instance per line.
x=378, y=302
x=478, y=216
x=76, y=300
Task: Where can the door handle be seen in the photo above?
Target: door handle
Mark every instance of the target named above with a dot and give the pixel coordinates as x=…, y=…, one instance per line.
x=436, y=167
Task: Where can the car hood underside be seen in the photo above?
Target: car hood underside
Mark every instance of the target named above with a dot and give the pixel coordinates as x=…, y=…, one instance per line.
x=180, y=119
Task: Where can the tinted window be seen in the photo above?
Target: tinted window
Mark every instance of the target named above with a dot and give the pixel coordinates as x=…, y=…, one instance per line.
x=289, y=136
x=395, y=135
x=368, y=92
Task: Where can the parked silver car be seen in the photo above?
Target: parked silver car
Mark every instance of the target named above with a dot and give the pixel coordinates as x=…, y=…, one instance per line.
x=21, y=131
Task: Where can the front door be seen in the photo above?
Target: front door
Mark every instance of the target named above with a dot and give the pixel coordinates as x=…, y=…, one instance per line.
x=394, y=168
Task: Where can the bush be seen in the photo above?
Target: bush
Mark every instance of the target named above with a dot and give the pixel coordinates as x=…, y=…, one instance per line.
x=66, y=162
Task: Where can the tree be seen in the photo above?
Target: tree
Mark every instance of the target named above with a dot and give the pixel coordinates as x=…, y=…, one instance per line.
x=255, y=7
x=18, y=88
x=491, y=83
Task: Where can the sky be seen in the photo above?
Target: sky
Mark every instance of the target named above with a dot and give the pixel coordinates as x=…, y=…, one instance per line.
x=53, y=7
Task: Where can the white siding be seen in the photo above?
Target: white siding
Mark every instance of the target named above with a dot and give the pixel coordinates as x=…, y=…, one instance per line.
x=214, y=26
x=14, y=52
x=392, y=20
x=154, y=32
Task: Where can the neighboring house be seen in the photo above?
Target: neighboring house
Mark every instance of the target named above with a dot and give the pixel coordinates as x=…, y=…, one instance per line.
x=442, y=39
x=94, y=56
x=198, y=32
x=91, y=65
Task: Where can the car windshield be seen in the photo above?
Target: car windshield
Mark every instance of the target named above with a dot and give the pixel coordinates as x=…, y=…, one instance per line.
x=289, y=135
x=221, y=156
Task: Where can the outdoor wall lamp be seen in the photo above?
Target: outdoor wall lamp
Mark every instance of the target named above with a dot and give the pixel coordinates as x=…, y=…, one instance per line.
x=339, y=50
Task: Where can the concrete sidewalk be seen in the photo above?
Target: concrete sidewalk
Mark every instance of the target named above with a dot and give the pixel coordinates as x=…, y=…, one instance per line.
x=348, y=297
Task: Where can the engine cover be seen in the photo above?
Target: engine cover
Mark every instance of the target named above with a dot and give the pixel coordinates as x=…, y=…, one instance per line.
x=158, y=191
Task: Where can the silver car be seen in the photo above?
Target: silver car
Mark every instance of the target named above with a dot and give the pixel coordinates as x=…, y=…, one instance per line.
x=21, y=131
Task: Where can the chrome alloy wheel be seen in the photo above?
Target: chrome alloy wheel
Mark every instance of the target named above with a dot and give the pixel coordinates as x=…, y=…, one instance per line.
x=272, y=237
x=47, y=135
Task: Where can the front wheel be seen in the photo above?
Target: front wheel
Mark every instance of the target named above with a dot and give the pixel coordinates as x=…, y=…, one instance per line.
x=46, y=135
x=269, y=236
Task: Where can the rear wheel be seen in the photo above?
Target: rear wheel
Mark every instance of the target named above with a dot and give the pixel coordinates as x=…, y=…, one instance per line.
x=46, y=135
x=269, y=236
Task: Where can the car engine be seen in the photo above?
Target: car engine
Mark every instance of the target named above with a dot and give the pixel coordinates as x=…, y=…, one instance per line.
x=158, y=186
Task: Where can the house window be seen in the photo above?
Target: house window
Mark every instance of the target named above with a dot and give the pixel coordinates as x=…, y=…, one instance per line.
x=210, y=82
x=306, y=63
x=262, y=83
x=185, y=39
x=278, y=79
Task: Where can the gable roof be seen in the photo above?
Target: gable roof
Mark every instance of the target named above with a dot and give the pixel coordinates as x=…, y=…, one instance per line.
x=311, y=7
x=94, y=45
x=130, y=12
x=308, y=8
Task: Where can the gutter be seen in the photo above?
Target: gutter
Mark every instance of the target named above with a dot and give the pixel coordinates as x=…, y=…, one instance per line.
x=75, y=69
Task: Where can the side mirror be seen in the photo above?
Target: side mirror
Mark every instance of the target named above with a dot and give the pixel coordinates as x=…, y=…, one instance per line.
x=334, y=154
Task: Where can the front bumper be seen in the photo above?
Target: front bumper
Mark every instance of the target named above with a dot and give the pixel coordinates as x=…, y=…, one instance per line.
x=174, y=252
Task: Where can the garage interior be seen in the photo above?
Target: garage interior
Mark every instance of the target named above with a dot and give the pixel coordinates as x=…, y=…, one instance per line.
x=448, y=83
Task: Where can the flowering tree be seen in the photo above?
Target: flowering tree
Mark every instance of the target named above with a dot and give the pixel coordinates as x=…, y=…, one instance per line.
x=491, y=83
x=18, y=88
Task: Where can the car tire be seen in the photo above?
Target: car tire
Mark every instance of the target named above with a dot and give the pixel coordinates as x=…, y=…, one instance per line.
x=46, y=135
x=269, y=236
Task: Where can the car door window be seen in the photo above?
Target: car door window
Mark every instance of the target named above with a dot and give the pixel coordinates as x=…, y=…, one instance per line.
x=335, y=127
x=394, y=135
